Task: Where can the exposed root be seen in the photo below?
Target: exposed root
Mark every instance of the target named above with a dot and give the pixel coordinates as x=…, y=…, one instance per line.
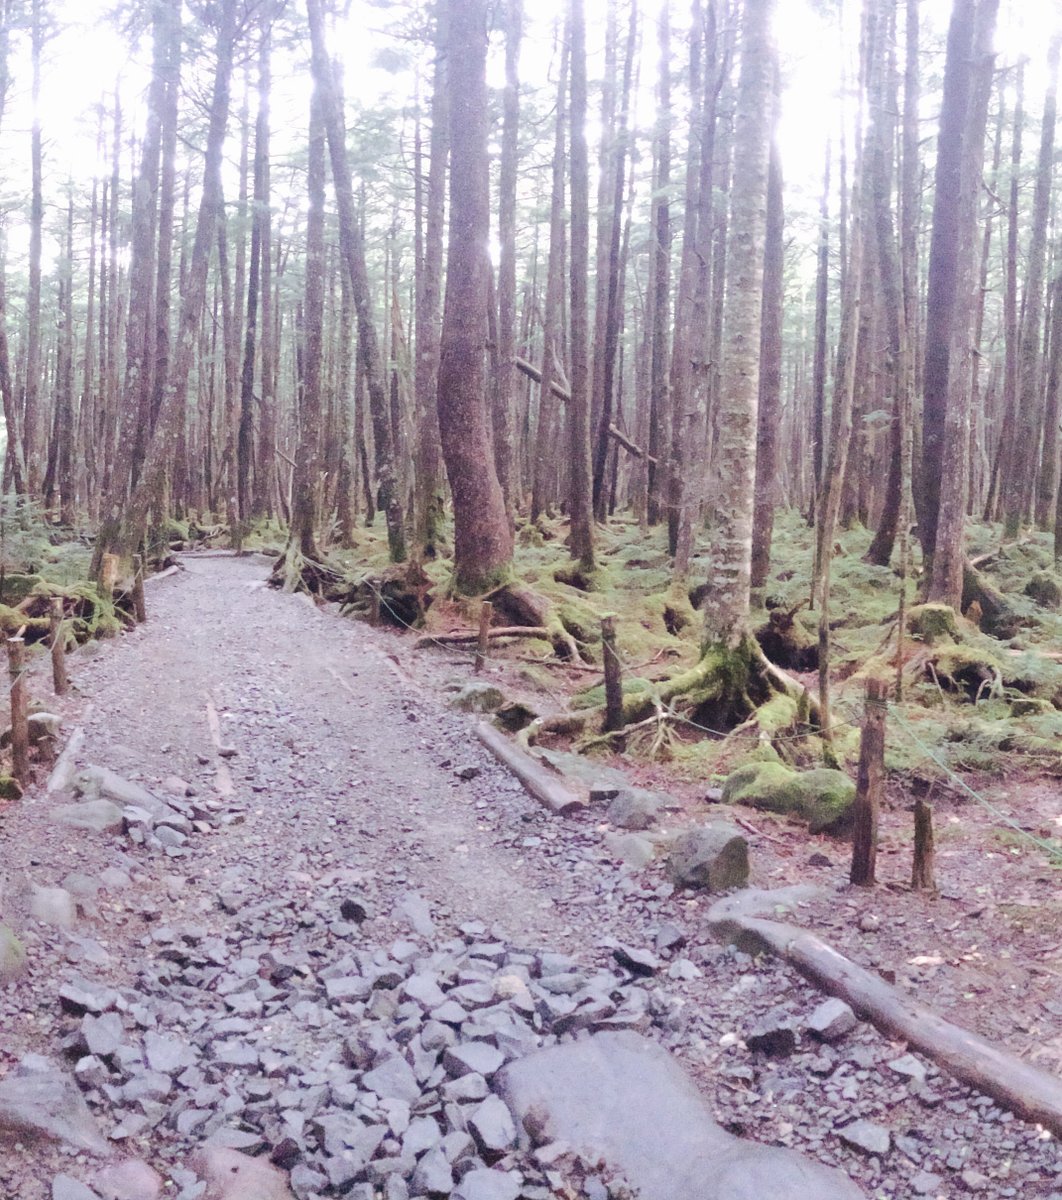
x=524, y=606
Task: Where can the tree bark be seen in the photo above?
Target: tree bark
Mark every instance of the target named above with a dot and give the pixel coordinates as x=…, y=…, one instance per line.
x=483, y=543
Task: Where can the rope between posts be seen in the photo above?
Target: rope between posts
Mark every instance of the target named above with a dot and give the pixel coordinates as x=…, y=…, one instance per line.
x=1049, y=848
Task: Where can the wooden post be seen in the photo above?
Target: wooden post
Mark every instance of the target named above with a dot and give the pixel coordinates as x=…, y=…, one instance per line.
x=613, y=676
x=374, y=606
x=55, y=626
x=486, y=611
x=923, y=875
x=139, y=606
x=16, y=664
x=870, y=784
x=109, y=574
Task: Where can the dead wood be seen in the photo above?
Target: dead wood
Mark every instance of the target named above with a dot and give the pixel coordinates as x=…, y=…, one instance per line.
x=1023, y=1089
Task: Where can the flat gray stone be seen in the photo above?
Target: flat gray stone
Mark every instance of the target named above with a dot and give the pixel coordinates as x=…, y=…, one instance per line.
x=714, y=857
x=40, y=1100
x=103, y=1034
x=488, y=1185
x=393, y=1080
x=94, y=816
x=634, y=809
x=54, y=906
x=622, y=1099
x=866, y=1137
x=491, y=1124
x=167, y=1054
x=433, y=1176
x=473, y=1058
x=231, y=1175
x=66, y=1187
x=831, y=1021
x=101, y=781
x=630, y=848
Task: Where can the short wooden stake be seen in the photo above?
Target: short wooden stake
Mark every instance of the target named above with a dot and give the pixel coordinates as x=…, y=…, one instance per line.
x=374, y=606
x=58, y=638
x=16, y=664
x=486, y=611
x=613, y=676
x=870, y=783
x=139, y=606
x=109, y=574
x=923, y=866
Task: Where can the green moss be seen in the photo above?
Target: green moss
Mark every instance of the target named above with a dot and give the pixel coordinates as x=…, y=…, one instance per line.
x=822, y=797
x=595, y=697
x=1030, y=706
x=17, y=587
x=933, y=623
x=10, y=788
x=1045, y=589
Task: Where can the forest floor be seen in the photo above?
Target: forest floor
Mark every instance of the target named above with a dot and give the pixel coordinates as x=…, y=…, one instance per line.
x=326, y=762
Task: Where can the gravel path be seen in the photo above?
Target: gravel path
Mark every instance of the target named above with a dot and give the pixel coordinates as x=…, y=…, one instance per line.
x=335, y=807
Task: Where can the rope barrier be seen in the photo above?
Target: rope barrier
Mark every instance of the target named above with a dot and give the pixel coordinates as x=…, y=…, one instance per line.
x=1050, y=849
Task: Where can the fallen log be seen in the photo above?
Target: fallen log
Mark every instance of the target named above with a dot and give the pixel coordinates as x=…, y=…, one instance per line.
x=499, y=631
x=1027, y=1091
x=540, y=781
x=532, y=372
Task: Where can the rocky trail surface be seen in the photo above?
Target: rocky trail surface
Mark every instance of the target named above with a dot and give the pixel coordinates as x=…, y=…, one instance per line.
x=290, y=931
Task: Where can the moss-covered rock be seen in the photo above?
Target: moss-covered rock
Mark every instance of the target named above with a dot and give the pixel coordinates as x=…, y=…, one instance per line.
x=478, y=698
x=1030, y=706
x=822, y=797
x=17, y=587
x=1045, y=588
x=12, y=955
x=933, y=623
x=10, y=788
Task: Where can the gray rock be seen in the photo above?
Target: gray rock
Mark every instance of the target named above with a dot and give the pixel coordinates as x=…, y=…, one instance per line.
x=636, y=960
x=910, y=1067
x=714, y=857
x=231, y=1175
x=623, y=1100
x=634, y=809
x=103, y=1034
x=54, y=906
x=773, y=1036
x=167, y=1054
x=393, y=1079
x=43, y=725
x=866, y=1137
x=12, y=956
x=831, y=1021
x=415, y=910
x=491, y=1124
x=433, y=1176
x=40, y=1100
x=130, y=1180
x=99, y=781
x=94, y=816
x=631, y=849
x=473, y=1058
x=488, y=1185
x=65, y=1187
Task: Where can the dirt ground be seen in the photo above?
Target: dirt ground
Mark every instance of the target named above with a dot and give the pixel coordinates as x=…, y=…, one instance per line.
x=339, y=760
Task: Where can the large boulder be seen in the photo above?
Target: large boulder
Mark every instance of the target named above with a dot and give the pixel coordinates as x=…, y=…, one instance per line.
x=621, y=1099
x=714, y=857
x=822, y=797
x=40, y=1100
x=634, y=809
x=478, y=698
x=94, y=816
x=231, y=1175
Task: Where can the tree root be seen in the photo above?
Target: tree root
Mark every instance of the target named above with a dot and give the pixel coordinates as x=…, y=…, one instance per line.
x=732, y=686
x=524, y=606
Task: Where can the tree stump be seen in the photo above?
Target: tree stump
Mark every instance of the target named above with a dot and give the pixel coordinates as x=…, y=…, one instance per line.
x=139, y=603
x=58, y=645
x=923, y=866
x=16, y=663
x=486, y=611
x=870, y=784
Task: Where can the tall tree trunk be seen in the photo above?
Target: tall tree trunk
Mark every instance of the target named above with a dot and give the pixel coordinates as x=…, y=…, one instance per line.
x=483, y=544
x=726, y=613
x=946, y=573
x=31, y=396
x=660, y=281
x=428, y=476
x=353, y=250
x=770, y=398
x=580, y=499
